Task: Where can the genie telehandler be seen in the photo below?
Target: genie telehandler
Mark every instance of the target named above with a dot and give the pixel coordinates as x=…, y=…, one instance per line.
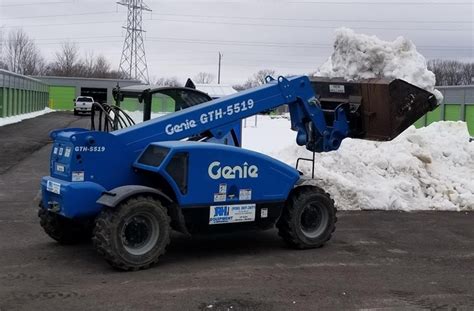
x=186, y=171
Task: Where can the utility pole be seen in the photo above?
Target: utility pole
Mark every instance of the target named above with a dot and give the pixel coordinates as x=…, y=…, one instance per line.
x=219, y=69
x=133, y=60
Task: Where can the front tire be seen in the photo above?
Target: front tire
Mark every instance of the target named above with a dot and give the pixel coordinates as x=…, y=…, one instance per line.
x=308, y=218
x=134, y=234
x=64, y=230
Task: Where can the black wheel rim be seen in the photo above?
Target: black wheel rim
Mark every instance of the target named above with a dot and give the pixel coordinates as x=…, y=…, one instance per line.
x=140, y=233
x=314, y=219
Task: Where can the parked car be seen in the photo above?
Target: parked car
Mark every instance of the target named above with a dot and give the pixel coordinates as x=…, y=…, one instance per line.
x=83, y=104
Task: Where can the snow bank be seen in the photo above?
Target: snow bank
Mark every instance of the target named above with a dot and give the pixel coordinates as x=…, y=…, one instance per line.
x=21, y=117
x=431, y=168
x=137, y=115
x=359, y=56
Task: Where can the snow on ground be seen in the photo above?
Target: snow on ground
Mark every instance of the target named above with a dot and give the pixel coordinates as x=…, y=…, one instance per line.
x=21, y=117
x=137, y=115
x=359, y=56
x=431, y=168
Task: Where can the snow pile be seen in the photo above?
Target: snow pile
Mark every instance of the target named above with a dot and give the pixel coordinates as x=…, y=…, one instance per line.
x=137, y=115
x=21, y=117
x=359, y=56
x=431, y=168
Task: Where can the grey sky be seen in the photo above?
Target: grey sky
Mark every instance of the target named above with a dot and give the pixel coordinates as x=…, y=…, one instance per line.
x=292, y=37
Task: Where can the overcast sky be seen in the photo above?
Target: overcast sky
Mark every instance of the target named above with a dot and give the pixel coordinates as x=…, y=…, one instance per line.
x=292, y=37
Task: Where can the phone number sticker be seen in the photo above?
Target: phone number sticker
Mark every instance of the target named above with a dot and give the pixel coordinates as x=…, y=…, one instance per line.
x=225, y=214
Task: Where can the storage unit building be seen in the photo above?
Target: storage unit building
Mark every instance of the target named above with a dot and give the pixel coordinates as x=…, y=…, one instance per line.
x=21, y=94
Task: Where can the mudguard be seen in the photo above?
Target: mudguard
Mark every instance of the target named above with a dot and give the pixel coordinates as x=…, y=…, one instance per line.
x=113, y=197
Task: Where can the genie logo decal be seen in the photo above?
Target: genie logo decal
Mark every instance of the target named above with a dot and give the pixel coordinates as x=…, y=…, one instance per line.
x=215, y=171
x=186, y=125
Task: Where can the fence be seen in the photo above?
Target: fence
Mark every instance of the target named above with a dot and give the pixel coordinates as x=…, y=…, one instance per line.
x=20, y=94
x=458, y=104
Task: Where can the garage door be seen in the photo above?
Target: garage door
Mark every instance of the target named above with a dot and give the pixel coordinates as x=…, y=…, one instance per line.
x=61, y=97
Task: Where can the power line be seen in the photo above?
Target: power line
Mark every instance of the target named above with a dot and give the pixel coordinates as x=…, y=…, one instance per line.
x=314, y=26
x=255, y=18
x=65, y=24
x=381, y=3
x=205, y=41
x=34, y=3
x=251, y=24
x=316, y=19
x=60, y=15
x=244, y=43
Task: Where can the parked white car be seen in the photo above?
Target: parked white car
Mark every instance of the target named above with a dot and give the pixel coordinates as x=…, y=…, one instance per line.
x=83, y=104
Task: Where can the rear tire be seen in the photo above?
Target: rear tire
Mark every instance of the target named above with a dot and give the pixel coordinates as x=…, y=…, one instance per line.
x=308, y=218
x=64, y=230
x=134, y=234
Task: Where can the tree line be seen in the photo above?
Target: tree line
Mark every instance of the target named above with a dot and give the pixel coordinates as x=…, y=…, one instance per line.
x=20, y=54
x=452, y=72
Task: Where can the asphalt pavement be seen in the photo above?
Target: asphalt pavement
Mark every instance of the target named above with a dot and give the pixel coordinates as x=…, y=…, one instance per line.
x=379, y=260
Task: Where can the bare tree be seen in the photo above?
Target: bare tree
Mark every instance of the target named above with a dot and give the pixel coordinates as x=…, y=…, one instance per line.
x=101, y=67
x=88, y=64
x=451, y=72
x=247, y=85
x=172, y=81
x=22, y=55
x=468, y=74
x=204, y=78
x=261, y=75
x=3, y=64
x=67, y=61
x=256, y=79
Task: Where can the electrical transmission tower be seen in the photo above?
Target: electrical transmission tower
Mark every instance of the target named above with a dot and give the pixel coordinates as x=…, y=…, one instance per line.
x=133, y=60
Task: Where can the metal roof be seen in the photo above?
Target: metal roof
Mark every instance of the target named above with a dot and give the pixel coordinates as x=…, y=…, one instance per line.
x=216, y=90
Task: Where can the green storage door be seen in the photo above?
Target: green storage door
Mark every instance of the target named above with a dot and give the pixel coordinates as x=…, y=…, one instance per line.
x=61, y=97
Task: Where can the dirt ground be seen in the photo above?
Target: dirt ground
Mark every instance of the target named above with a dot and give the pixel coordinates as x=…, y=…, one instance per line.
x=379, y=260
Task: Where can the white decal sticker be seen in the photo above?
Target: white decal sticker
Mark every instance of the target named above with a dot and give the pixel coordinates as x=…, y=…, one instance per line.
x=67, y=152
x=264, y=213
x=78, y=176
x=224, y=214
x=60, y=167
x=215, y=171
x=170, y=129
x=61, y=151
x=222, y=188
x=89, y=148
x=336, y=88
x=219, y=197
x=53, y=187
x=210, y=116
x=245, y=194
x=55, y=150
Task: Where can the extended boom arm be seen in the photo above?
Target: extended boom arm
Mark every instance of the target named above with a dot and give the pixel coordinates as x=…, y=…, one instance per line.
x=217, y=116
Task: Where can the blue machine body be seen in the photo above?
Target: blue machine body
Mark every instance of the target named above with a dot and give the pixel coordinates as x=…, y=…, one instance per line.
x=86, y=164
x=203, y=170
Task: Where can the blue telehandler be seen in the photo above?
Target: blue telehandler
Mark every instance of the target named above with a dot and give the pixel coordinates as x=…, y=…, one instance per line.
x=186, y=171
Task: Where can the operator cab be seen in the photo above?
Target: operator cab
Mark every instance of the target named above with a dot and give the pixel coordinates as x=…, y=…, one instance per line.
x=158, y=98
x=173, y=99
x=142, y=97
